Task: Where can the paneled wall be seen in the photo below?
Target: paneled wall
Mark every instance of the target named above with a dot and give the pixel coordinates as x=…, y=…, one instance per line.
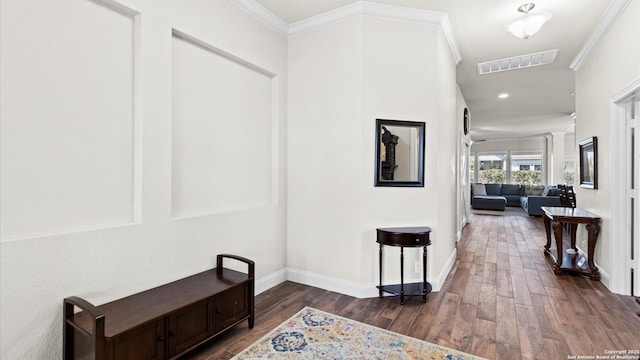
x=70, y=139
x=220, y=148
x=139, y=138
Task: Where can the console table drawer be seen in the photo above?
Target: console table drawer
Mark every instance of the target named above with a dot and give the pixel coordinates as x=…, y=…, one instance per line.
x=414, y=236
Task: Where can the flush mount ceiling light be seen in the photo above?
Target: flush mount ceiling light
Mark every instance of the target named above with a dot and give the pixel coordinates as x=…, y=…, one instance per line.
x=503, y=96
x=529, y=24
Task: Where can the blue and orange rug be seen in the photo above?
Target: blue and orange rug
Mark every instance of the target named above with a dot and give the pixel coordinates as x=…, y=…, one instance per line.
x=314, y=334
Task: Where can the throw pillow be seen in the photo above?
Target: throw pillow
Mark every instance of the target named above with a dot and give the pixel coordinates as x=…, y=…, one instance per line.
x=478, y=189
x=545, y=192
x=533, y=190
x=550, y=190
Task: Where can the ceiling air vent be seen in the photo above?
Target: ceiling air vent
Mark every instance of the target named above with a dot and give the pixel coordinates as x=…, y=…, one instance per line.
x=518, y=62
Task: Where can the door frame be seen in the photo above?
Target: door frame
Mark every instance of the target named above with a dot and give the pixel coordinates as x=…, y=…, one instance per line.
x=620, y=278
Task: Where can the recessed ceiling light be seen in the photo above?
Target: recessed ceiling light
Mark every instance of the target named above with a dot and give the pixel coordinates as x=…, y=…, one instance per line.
x=503, y=96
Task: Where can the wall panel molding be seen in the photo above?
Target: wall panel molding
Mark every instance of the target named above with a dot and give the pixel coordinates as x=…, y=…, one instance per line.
x=225, y=112
x=71, y=136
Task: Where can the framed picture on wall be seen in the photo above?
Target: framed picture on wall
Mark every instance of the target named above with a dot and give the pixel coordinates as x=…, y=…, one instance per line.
x=588, y=150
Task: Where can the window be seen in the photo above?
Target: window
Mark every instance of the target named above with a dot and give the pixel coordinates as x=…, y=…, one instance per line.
x=526, y=167
x=492, y=168
x=569, y=171
x=472, y=168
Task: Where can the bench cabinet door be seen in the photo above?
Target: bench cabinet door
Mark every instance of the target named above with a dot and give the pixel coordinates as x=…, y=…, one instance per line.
x=190, y=326
x=146, y=342
x=231, y=307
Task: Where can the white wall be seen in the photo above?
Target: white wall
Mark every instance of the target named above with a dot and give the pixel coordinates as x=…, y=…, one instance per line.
x=374, y=68
x=324, y=144
x=613, y=64
x=122, y=125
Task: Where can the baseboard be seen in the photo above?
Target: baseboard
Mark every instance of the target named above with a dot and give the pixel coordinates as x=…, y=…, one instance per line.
x=269, y=281
x=351, y=288
x=439, y=281
x=605, y=278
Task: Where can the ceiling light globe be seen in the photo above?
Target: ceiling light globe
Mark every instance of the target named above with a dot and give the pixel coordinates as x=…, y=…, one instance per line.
x=527, y=25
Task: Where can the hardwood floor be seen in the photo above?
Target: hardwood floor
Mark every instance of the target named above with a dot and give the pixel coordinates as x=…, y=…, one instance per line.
x=500, y=301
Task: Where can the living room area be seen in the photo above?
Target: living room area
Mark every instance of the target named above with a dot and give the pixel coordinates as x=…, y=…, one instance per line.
x=512, y=174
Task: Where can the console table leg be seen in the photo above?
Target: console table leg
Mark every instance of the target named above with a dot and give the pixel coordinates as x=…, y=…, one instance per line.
x=547, y=227
x=557, y=230
x=593, y=230
x=401, y=275
x=424, y=274
x=573, y=229
x=380, y=287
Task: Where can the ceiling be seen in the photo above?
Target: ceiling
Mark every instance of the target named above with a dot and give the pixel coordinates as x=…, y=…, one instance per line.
x=540, y=98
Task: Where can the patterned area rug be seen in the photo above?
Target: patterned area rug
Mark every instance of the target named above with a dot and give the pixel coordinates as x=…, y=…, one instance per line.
x=314, y=334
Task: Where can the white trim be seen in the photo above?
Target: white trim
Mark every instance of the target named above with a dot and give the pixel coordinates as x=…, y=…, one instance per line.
x=364, y=8
x=329, y=18
x=617, y=281
x=341, y=286
x=360, y=8
x=138, y=119
x=446, y=269
x=613, y=12
x=265, y=283
x=263, y=15
x=194, y=40
x=605, y=278
x=358, y=290
x=627, y=92
x=618, y=219
x=450, y=38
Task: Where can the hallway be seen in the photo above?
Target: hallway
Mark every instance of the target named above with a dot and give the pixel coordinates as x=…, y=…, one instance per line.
x=500, y=301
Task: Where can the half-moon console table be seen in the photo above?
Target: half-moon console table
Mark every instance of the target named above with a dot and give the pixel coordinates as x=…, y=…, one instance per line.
x=164, y=322
x=405, y=237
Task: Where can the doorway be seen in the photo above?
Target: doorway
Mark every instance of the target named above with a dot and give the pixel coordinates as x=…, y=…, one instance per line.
x=464, y=191
x=625, y=199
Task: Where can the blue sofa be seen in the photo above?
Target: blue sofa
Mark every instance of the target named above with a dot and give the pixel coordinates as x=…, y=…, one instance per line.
x=529, y=197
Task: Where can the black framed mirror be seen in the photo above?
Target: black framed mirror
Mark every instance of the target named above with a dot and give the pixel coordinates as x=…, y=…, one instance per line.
x=399, y=153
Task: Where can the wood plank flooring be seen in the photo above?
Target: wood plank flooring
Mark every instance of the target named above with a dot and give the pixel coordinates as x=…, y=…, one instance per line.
x=500, y=301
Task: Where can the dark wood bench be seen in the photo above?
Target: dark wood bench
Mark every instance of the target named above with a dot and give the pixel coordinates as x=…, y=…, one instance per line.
x=164, y=322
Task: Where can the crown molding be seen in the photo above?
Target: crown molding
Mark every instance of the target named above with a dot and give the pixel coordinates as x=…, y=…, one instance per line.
x=364, y=8
x=265, y=16
x=360, y=8
x=613, y=12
